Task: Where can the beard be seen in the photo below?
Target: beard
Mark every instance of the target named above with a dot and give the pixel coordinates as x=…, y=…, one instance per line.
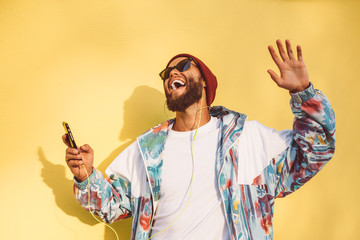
x=193, y=94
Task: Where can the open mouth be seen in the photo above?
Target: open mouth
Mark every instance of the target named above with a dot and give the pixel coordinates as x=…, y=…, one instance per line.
x=176, y=84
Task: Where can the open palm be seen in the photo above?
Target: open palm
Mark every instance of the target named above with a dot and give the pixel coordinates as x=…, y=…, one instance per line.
x=293, y=73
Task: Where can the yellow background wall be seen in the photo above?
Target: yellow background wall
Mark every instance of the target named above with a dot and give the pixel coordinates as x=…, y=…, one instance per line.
x=95, y=64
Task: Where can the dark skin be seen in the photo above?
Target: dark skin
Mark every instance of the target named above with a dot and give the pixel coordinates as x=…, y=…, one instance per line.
x=76, y=158
x=189, y=119
x=293, y=73
x=293, y=77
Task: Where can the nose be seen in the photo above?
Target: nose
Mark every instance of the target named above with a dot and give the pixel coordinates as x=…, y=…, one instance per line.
x=174, y=72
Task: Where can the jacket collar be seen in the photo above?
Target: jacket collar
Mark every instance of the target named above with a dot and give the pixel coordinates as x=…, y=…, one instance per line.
x=231, y=126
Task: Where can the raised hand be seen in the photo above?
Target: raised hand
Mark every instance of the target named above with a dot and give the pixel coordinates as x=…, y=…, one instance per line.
x=76, y=158
x=293, y=73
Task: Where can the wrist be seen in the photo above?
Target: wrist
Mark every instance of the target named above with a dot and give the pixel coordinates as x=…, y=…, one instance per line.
x=83, y=180
x=304, y=95
x=80, y=180
x=300, y=89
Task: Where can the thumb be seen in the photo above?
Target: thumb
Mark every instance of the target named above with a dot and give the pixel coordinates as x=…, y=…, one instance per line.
x=65, y=139
x=86, y=148
x=274, y=76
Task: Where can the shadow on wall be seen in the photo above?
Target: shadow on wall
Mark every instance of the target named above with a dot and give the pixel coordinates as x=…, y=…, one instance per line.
x=54, y=177
x=142, y=111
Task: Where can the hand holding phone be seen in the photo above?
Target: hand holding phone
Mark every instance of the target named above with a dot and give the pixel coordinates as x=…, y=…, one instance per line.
x=79, y=160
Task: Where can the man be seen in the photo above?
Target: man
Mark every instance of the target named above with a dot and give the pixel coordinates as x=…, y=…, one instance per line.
x=209, y=173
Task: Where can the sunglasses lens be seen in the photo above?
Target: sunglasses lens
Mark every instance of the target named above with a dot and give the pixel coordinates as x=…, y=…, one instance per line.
x=163, y=74
x=181, y=67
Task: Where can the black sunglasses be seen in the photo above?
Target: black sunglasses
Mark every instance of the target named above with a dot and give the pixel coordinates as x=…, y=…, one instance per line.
x=182, y=66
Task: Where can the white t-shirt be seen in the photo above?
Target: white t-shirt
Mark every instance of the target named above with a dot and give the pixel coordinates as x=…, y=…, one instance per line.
x=204, y=217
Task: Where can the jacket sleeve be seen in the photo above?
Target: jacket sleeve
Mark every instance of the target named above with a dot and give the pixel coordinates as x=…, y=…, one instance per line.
x=109, y=198
x=312, y=144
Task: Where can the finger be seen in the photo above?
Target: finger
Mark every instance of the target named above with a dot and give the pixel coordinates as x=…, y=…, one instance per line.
x=66, y=140
x=281, y=50
x=73, y=156
x=72, y=151
x=75, y=163
x=289, y=49
x=274, y=76
x=69, y=157
x=299, y=53
x=274, y=56
x=86, y=148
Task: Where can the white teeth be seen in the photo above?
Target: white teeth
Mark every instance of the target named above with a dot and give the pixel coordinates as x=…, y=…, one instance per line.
x=173, y=87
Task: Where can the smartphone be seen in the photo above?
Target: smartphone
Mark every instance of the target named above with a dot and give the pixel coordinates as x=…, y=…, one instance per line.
x=69, y=134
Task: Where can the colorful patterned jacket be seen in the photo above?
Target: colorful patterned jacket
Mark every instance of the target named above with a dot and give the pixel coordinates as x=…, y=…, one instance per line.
x=134, y=182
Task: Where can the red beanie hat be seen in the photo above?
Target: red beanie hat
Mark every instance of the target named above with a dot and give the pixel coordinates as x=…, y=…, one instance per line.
x=208, y=76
